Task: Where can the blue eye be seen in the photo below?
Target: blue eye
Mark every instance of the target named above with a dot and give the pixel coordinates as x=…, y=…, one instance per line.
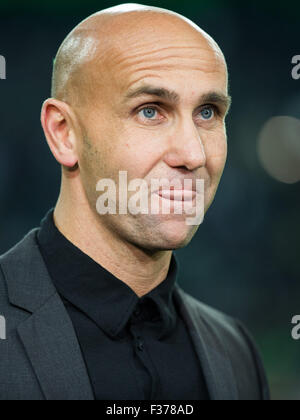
x=148, y=112
x=207, y=113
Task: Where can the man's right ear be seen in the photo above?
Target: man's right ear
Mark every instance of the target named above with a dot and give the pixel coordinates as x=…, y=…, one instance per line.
x=58, y=126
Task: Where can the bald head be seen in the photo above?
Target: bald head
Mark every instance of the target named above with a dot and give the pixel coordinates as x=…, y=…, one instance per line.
x=85, y=59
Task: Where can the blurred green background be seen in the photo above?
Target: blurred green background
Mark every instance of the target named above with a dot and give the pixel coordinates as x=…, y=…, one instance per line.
x=245, y=258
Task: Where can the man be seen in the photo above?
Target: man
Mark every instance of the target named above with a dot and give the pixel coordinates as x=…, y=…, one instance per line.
x=90, y=298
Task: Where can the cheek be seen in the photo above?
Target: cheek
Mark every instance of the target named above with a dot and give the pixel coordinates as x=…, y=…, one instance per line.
x=216, y=152
x=102, y=155
x=138, y=152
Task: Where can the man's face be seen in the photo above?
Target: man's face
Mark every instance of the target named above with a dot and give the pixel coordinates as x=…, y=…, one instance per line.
x=152, y=136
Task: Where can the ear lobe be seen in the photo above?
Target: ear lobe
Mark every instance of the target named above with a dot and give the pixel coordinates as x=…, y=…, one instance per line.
x=59, y=131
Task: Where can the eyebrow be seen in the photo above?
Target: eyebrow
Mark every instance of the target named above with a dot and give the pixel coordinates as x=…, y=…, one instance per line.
x=173, y=97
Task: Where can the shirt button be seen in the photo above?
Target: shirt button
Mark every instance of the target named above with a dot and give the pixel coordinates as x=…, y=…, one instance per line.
x=140, y=345
x=137, y=312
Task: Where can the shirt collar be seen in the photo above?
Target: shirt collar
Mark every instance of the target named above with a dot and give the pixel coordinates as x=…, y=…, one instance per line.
x=105, y=299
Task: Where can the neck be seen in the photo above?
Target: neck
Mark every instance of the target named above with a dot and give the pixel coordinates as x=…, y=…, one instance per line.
x=140, y=270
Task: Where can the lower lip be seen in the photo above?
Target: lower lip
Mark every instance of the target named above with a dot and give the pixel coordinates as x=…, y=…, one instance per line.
x=177, y=195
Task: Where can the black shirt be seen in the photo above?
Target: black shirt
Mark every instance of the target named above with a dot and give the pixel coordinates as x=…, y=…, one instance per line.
x=134, y=348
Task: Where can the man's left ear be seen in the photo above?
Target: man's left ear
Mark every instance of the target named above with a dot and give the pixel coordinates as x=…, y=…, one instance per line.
x=59, y=125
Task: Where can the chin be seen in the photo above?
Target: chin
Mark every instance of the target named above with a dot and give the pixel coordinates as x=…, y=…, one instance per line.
x=167, y=234
x=175, y=235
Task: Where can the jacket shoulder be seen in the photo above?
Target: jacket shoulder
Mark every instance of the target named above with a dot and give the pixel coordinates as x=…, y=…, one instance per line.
x=18, y=249
x=25, y=274
x=224, y=331
x=221, y=323
x=12, y=260
x=18, y=380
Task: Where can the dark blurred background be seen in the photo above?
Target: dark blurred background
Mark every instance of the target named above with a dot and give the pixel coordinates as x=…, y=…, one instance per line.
x=245, y=258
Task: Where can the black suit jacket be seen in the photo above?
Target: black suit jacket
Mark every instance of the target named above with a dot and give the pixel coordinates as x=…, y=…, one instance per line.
x=41, y=358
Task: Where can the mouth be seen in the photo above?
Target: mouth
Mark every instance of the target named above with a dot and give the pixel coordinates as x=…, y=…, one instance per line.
x=177, y=195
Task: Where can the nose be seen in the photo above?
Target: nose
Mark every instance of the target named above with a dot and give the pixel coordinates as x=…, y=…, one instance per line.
x=186, y=148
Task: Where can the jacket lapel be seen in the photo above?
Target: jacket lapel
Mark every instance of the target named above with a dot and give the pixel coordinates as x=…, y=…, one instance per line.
x=47, y=334
x=212, y=354
x=54, y=352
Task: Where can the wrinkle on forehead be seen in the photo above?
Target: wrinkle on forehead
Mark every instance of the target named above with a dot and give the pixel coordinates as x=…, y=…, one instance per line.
x=116, y=38
x=179, y=57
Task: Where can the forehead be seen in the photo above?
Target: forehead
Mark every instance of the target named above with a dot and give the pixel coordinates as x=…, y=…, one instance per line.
x=167, y=49
x=165, y=59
